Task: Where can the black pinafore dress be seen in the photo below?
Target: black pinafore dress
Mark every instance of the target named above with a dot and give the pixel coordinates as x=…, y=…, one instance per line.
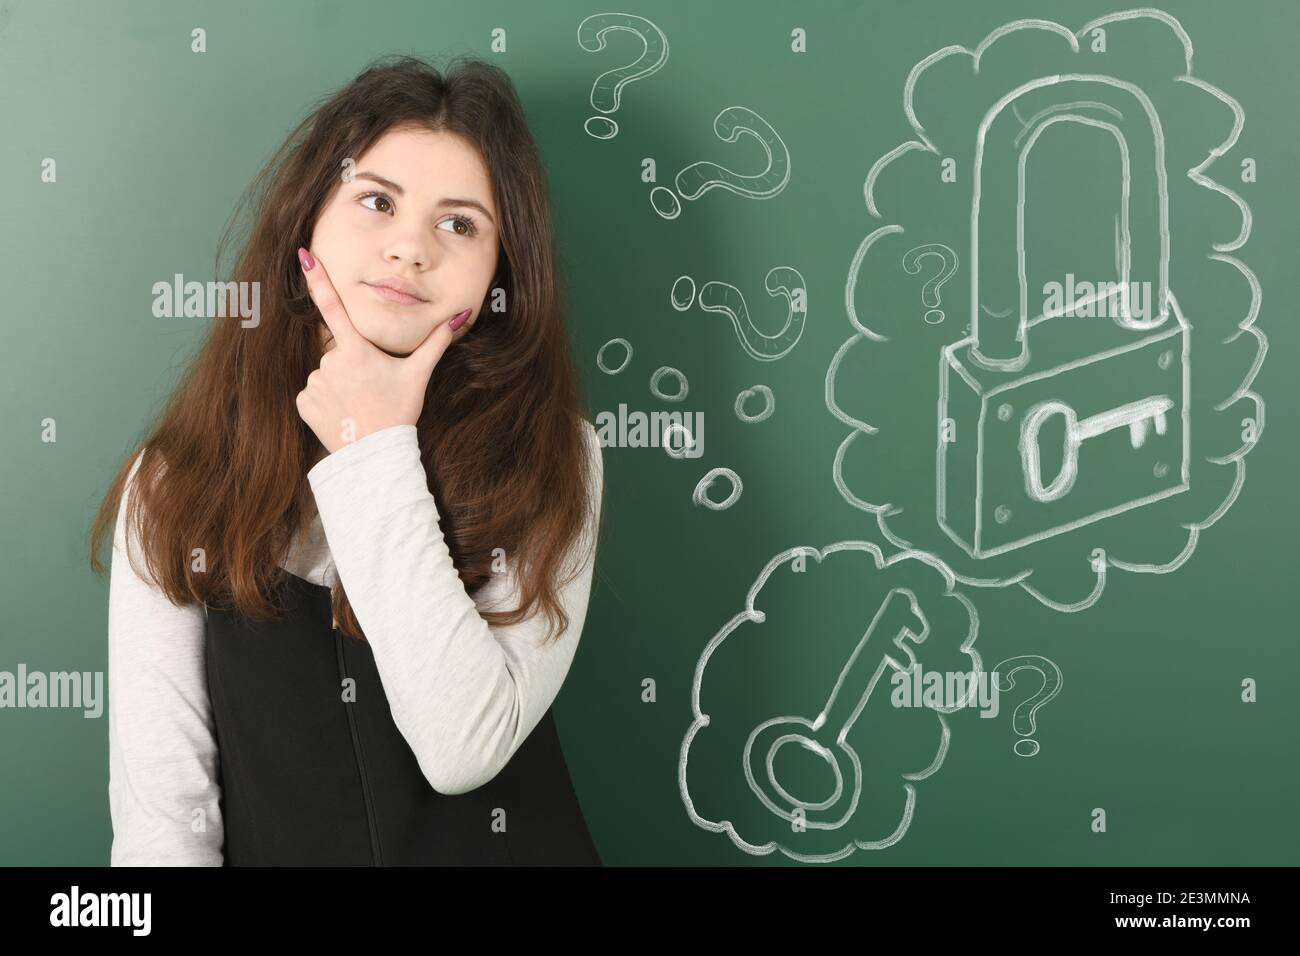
x=311, y=779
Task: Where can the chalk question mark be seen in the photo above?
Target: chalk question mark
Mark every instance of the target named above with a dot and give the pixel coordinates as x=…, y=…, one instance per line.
x=606, y=92
x=930, y=291
x=1022, y=720
x=698, y=178
x=783, y=281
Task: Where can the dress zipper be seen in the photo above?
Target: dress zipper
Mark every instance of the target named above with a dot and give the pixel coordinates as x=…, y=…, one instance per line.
x=375, y=850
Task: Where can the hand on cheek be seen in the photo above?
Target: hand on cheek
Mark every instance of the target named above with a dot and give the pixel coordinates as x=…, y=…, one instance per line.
x=358, y=388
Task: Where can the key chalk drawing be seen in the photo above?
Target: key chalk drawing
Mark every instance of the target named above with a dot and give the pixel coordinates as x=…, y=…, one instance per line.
x=794, y=743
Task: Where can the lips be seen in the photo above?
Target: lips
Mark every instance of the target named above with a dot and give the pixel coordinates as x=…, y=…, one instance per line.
x=394, y=294
x=398, y=284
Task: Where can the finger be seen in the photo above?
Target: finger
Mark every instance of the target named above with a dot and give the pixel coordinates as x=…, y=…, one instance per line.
x=328, y=302
x=427, y=354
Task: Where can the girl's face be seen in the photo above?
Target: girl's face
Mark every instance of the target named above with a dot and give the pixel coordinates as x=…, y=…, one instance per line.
x=418, y=212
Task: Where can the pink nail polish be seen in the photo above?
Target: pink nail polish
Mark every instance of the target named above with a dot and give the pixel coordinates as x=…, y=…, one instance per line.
x=305, y=258
x=460, y=319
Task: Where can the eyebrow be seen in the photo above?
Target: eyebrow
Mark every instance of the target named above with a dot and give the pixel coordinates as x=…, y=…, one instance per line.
x=445, y=201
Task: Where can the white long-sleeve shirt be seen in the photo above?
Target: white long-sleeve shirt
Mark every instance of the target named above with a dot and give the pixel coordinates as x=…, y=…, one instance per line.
x=463, y=694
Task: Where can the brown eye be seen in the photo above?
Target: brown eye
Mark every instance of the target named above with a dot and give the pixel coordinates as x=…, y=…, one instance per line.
x=470, y=227
x=378, y=198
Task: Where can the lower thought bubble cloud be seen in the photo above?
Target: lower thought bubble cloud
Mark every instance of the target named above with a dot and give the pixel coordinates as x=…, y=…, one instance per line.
x=797, y=743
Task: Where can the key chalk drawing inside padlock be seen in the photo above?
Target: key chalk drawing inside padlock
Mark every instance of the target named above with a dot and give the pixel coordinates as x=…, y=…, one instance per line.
x=898, y=624
x=1025, y=376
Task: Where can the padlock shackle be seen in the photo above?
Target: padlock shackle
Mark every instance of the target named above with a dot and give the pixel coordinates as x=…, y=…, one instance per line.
x=999, y=329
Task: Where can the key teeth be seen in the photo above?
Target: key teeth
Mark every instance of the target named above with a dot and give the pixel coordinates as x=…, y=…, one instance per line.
x=1139, y=429
x=907, y=639
x=904, y=643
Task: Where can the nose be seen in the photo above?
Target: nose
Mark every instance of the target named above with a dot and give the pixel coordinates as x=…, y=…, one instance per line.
x=410, y=247
x=415, y=258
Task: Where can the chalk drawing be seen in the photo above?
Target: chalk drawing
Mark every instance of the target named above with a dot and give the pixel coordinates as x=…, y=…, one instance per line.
x=600, y=356
x=996, y=396
x=1023, y=718
x=930, y=291
x=698, y=178
x=606, y=94
x=721, y=297
x=768, y=408
x=659, y=375
x=901, y=624
x=701, y=493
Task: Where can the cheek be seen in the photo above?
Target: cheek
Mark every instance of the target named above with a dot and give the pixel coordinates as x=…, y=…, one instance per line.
x=321, y=232
x=331, y=236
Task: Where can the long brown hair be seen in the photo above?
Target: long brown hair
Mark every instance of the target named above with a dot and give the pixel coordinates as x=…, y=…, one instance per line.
x=501, y=433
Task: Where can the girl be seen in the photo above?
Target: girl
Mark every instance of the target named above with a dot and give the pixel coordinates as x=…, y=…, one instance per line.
x=330, y=552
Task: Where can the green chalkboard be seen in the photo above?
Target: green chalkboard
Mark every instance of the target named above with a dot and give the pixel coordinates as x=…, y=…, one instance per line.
x=945, y=522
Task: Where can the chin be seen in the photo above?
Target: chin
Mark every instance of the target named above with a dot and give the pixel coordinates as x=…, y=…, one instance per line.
x=386, y=346
x=385, y=343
